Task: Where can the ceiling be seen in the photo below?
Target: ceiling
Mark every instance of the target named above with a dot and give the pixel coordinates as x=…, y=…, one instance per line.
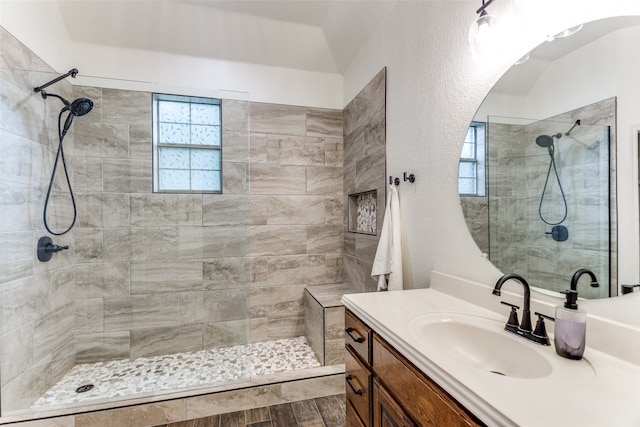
x=311, y=35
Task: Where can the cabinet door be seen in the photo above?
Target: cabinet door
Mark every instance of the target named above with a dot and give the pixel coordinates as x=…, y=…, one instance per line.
x=386, y=412
x=358, y=386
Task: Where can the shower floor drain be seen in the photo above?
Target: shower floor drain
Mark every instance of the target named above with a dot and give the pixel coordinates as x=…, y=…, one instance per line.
x=84, y=388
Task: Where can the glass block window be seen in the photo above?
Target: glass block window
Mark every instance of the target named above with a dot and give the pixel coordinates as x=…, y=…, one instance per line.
x=471, y=171
x=187, y=144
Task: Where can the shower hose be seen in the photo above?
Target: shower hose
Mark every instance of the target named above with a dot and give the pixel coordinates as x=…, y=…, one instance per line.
x=552, y=165
x=59, y=156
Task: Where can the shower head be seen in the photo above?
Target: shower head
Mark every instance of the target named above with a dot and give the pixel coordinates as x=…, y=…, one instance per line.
x=80, y=106
x=545, y=141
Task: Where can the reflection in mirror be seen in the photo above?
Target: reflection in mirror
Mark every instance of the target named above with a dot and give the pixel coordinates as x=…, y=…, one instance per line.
x=550, y=203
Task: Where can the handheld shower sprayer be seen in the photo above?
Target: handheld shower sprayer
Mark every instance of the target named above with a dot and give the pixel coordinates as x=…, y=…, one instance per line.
x=78, y=107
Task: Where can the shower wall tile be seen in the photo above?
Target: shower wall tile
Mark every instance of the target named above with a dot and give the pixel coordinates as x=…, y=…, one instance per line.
x=155, y=277
x=64, y=358
x=283, y=327
x=126, y=175
x=51, y=332
x=276, y=301
x=277, y=240
x=158, y=341
x=324, y=180
x=100, y=139
x=375, y=132
x=102, y=280
x=154, y=210
x=220, y=242
x=16, y=56
x=226, y=333
x=303, y=269
x=127, y=107
x=28, y=386
x=87, y=174
x=334, y=152
x=324, y=239
x=140, y=142
x=295, y=210
x=235, y=178
x=102, y=346
x=370, y=172
x=97, y=210
x=278, y=179
x=213, y=306
x=278, y=119
x=258, y=149
x=16, y=352
x=226, y=209
x=235, y=115
x=222, y=273
x=88, y=245
x=23, y=301
x=323, y=122
x=89, y=315
x=141, y=311
x=334, y=267
x=62, y=286
x=16, y=255
x=289, y=150
x=141, y=244
x=333, y=210
x=235, y=147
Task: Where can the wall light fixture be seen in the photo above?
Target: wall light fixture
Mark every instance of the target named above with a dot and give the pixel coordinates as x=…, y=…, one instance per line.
x=482, y=31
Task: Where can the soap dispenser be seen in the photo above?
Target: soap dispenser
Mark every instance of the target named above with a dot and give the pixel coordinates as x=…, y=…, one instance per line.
x=570, y=328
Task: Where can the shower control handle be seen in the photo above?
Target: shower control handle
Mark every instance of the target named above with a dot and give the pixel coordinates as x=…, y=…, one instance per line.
x=46, y=248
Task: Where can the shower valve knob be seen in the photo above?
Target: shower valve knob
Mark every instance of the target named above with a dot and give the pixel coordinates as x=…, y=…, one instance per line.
x=46, y=249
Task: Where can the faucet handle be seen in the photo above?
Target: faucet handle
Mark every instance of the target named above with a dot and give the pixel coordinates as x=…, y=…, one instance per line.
x=539, y=335
x=512, y=323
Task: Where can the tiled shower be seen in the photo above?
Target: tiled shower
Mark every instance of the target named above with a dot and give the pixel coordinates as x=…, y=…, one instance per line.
x=149, y=275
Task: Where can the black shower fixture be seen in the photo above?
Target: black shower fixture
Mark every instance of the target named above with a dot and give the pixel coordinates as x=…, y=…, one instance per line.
x=77, y=108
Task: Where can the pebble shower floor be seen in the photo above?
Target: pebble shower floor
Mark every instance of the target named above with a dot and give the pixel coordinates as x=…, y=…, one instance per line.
x=149, y=375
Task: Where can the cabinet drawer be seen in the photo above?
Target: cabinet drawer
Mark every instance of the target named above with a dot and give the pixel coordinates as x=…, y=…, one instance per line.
x=358, y=336
x=358, y=386
x=422, y=399
x=352, y=419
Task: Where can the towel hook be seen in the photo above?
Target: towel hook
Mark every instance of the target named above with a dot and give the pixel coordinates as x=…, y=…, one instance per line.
x=411, y=178
x=394, y=181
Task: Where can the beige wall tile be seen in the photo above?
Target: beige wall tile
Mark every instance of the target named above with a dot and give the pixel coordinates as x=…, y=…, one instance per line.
x=16, y=352
x=221, y=242
x=277, y=240
x=289, y=150
x=313, y=325
x=23, y=300
x=100, y=139
x=272, y=301
x=295, y=210
x=154, y=277
x=281, y=327
x=127, y=175
x=334, y=350
x=89, y=315
x=221, y=273
x=322, y=239
x=334, y=152
x=226, y=209
x=334, y=323
x=270, y=179
x=324, y=180
x=235, y=147
x=235, y=178
x=299, y=269
x=102, y=280
x=226, y=333
x=88, y=245
x=53, y=331
x=27, y=387
x=334, y=210
x=213, y=306
x=125, y=106
x=235, y=115
x=103, y=210
x=141, y=311
x=278, y=119
x=150, y=414
x=141, y=243
x=323, y=122
x=153, y=210
x=258, y=149
x=230, y=401
x=102, y=346
x=158, y=341
x=140, y=142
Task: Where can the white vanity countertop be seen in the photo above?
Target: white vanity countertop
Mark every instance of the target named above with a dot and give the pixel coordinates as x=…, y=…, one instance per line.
x=600, y=390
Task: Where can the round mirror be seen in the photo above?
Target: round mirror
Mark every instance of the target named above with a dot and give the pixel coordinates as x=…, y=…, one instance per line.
x=541, y=188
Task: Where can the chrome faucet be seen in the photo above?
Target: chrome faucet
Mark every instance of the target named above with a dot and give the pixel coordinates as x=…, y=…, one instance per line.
x=524, y=329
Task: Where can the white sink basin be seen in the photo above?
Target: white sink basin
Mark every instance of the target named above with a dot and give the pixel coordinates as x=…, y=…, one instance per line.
x=481, y=343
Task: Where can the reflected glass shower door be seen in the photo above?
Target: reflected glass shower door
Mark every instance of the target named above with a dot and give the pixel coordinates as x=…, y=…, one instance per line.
x=546, y=222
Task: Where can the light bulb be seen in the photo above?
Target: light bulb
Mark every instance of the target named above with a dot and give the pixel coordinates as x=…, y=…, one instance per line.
x=482, y=34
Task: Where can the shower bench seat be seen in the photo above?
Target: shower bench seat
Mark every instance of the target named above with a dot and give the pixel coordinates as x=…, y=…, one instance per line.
x=324, y=321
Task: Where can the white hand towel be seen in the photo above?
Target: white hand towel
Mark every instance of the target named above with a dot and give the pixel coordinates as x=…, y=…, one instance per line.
x=387, y=264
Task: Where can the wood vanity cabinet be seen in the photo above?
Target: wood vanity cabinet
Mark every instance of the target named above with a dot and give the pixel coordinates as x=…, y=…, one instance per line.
x=385, y=390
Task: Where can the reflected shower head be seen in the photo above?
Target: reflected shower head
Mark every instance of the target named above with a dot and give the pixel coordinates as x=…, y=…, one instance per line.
x=545, y=141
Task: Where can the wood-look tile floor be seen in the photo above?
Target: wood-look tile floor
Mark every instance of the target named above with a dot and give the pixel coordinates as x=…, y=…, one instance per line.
x=319, y=412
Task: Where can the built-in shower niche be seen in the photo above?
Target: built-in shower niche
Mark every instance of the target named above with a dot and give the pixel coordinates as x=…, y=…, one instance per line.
x=363, y=212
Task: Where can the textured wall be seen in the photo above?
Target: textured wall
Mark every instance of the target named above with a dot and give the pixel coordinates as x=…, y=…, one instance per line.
x=164, y=273
x=36, y=299
x=364, y=170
